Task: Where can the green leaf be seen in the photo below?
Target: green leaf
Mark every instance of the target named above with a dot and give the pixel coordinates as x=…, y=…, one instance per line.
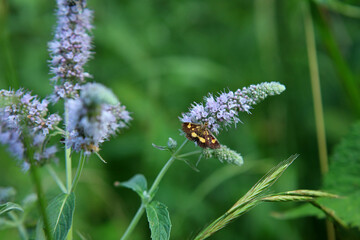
x=343, y=179
x=159, y=220
x=60, y=212
x=137, y=183
x=162, y=148
x=9, y=206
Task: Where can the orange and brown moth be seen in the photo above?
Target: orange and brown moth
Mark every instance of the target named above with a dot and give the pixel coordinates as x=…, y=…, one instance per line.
x=200, y=134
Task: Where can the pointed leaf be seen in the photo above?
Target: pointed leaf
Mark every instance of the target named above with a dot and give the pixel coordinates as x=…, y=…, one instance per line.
x=162, y=148
x=60, y=212
x=9, y=206
x=137, y=183
x=343, y=179
x=159, y=221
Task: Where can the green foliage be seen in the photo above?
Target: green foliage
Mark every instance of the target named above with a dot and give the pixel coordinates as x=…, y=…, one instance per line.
x=60, y=212
x=137, y=183
x=9, y=207
x=257, y=194
x=160, y=56
x=344, y=179
x=159, y=220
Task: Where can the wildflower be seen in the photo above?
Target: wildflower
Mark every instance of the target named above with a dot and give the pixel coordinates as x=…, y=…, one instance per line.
x=222, y=111
x=22, y=118
x=93, y=117
x=70, y=49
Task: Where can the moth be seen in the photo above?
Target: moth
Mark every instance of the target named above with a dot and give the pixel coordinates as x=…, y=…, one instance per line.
x=200, y=134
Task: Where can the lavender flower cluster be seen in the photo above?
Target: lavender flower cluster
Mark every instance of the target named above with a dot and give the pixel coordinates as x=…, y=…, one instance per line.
x=93, y=117
x=70, y=49
x=22, y=117
x=222, y=111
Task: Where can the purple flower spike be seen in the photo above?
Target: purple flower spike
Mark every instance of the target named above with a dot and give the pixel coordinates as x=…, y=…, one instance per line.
x=93, y=117
x=22, y=117
x=222, y=111
x=70, y=49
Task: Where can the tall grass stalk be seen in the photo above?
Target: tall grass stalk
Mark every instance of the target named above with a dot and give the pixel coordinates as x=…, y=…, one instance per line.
x=318, y=108
x=316, y=89
x=256, y=195
x=248, y=201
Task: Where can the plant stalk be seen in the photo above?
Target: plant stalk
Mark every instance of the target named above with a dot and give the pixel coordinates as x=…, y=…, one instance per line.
x=68, y=167
x=151, y=192
x=318, y=108
x=79, y=170
x=316, y=90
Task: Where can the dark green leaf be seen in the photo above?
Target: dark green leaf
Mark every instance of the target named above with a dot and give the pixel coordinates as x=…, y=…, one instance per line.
x=159, y=220
x=344, y=179
x=137, y=183
x=60, y=212
x=9, y=206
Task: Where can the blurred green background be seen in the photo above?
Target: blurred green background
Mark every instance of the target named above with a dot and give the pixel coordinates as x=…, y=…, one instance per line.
x=159, y=57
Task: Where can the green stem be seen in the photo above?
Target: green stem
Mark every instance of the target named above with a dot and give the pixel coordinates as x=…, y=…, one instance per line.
x=318, y=108
x=188, y=154
x=68, y=167
x=41, y=199
x=151, y=193
x=164, y=170
x=79, y=170
x=134, y=221
x=56, y=178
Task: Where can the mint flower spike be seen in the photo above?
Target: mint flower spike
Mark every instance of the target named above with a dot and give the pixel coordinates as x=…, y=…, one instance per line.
x=224, y=154
x=70, y=48
x=93, y=117
x=222, y=111
x=19, y=110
